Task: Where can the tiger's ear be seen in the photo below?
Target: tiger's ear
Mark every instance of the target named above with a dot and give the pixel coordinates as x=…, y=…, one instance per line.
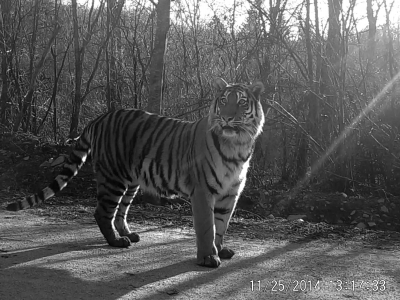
x=257, y=88
x=219, y=84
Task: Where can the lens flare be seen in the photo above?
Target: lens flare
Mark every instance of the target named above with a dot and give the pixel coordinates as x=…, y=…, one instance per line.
x=317, y=165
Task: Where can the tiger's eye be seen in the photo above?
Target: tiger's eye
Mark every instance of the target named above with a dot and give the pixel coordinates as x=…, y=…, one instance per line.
x=242, y=102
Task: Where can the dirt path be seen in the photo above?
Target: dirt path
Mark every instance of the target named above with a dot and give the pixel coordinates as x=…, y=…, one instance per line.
x=42, y=258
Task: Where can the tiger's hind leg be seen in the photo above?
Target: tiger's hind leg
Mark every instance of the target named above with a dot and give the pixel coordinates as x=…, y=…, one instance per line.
x=223, y=210
x=109, y=195
x=120, y=219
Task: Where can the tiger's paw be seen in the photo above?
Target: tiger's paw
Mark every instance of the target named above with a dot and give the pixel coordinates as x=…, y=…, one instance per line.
x=226, y=253
x=210, y=261
x=122, y=242
x=133, y=237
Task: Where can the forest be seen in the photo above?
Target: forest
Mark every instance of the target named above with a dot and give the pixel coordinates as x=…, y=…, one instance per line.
x=330, y=69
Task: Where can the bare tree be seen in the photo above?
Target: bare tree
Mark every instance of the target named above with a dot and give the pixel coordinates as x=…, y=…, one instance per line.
x=5, y=7
x=371, y=31
x=34, y=69
x=310, y=98
x=157, y=57
x=79, y=52
x=113, y=88
x=136, y=30
x=330, y=68
x=57, y=72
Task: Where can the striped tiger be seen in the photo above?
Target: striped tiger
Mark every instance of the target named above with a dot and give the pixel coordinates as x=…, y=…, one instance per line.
x=205, y=161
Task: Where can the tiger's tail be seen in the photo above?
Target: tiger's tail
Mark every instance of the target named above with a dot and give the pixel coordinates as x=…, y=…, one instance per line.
x=74, y=162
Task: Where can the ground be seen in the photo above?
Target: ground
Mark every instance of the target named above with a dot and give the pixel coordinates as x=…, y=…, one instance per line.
x=44, y=255
x=57, y=252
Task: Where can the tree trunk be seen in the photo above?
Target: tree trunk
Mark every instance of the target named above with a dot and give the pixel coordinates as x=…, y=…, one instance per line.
x=318, y=64
x=285, y=176
x=113, y=90
x=156, y=67
x=371, y=32
x=334, y=35
x=157, y=58
x=33, y=114
x=329, y=68
x=311, y=100
x=5, y=7
x=79, y=54
x=334, y=54
x=4, y=90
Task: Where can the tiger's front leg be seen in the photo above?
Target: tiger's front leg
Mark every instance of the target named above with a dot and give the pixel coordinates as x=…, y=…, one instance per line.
x=203, y=219
x=223, y=210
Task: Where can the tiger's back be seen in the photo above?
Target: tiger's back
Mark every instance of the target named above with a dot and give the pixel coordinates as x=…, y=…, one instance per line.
x=205, y=161
x=149, y=149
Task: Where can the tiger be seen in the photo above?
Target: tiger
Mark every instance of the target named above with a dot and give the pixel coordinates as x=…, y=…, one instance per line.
x=205, y=161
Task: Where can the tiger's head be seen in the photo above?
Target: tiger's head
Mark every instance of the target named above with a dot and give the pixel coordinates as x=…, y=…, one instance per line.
x=236, y=113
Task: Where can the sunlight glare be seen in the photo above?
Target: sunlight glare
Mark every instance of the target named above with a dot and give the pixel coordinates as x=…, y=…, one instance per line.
x=317, y=165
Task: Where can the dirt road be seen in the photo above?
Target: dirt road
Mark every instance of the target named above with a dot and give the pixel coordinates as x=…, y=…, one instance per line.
x=43, y=259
